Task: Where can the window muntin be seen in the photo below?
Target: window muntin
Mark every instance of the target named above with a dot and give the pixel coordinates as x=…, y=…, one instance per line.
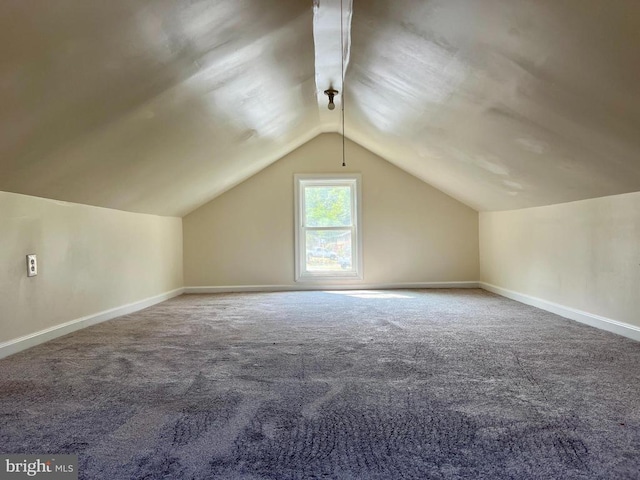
x=327, y=227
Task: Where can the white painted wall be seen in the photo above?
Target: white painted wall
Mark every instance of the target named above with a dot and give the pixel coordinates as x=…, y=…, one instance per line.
x=584, y=255
x=411, y=231
x=90, y=259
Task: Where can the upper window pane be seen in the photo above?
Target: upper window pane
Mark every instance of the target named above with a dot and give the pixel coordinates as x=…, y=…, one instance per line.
x=327, y=206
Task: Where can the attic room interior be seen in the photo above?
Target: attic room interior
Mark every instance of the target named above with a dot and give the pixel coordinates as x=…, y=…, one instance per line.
x=300, y=239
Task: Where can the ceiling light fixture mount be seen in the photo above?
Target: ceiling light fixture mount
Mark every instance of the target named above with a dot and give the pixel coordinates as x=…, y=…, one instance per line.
x=331, y=92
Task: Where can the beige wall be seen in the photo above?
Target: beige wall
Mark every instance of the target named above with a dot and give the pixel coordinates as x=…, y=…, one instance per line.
x=584, y=255
x=90, y=259
x=412, y=232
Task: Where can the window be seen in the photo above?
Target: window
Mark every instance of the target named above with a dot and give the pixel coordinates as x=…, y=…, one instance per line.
x=328, y=244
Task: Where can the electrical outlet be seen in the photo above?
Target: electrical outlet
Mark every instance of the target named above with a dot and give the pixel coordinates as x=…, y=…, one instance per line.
x=32, y=265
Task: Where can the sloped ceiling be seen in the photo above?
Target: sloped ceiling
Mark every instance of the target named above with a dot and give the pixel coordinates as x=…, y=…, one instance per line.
x=503, y=104
x=159, y=106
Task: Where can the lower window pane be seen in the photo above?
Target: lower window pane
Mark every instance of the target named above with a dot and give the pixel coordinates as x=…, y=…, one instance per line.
x=329, y=251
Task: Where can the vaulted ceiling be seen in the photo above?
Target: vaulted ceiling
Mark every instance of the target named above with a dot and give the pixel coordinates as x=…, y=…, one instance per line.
x=159, y=106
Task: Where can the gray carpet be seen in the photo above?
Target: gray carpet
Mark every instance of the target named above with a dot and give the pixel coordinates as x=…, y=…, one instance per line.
x=424, y=384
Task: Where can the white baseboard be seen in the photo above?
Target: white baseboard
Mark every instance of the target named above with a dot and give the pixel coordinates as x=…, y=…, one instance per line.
x=603, y=323
x=22, y=343
x=318, y=286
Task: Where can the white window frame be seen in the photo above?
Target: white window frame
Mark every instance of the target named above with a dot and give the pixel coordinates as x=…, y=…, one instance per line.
x=355, y=182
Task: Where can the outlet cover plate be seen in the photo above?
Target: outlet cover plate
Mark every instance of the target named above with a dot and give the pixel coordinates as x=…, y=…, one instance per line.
x=32, y=265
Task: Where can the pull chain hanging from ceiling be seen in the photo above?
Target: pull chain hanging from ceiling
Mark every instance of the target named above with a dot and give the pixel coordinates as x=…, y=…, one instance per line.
x=332, y=92
x=344, y=163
